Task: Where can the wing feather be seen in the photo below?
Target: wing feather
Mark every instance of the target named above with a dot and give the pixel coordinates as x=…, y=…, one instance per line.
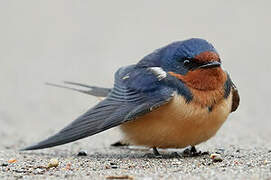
x=125, y=102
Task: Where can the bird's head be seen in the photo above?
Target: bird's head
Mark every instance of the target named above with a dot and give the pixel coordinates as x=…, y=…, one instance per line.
x=193, y=61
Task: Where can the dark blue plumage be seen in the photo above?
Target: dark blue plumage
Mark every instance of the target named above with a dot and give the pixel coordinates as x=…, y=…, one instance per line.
x=171, y=57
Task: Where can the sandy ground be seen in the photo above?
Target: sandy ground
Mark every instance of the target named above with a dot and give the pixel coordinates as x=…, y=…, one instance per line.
x=245, y=156
x=87, y=41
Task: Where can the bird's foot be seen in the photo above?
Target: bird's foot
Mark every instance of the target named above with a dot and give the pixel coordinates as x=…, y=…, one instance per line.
x=192, y=152
x=155, y=154
x=175, y=155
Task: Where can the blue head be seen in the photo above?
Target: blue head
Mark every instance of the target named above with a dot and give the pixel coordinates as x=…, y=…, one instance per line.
x=183, y=56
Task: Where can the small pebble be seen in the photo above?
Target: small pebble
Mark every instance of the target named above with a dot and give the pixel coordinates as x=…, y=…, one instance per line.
x=114, y=166
x=4, y=164
x=120, y=177
x=249, y=165
x=12, y=161
x=221, y=150
x=265, y=162
x=53, y=163
x=216, y=157
x=68, y=166
x=39, y=171
x=82, y=153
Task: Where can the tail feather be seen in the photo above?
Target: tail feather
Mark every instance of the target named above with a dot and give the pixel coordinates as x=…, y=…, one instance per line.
x=92, y=90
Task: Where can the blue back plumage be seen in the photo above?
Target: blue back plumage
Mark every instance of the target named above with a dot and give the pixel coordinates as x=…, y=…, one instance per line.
x=141, y=79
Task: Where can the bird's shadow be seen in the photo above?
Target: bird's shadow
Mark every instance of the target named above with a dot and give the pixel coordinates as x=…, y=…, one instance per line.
x=135, y=152
x=126, y=152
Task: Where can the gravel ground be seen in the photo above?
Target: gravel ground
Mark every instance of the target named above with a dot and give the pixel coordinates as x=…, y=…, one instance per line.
x=87, y=41
x=244, y=157
x=105, y=163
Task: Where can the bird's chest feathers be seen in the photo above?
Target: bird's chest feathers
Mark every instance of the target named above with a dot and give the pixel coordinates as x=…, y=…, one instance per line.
x=211, y=114
x=177, y=124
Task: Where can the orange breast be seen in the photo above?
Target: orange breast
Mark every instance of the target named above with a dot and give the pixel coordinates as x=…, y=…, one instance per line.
x=177, y=124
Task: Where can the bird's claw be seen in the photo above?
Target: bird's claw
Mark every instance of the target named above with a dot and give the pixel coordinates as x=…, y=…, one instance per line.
x=192, y=152
x=175, y=155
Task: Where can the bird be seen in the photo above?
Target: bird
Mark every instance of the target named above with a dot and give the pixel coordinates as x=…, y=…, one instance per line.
x=175, y=97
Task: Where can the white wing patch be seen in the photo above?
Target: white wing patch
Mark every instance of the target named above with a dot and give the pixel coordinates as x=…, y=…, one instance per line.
x=158, y=72
x=126, y=77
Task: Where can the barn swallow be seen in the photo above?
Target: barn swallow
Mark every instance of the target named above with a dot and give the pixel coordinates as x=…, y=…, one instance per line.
x=175, y=97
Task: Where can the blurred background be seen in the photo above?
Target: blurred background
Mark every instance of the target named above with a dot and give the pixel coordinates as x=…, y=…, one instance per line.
x=87, y=41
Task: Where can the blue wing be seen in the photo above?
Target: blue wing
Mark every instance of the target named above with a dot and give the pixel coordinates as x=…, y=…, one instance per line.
x=136, y=92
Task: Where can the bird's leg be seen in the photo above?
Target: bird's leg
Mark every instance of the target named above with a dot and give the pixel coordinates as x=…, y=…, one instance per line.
x=155, y=152
x=193, y=150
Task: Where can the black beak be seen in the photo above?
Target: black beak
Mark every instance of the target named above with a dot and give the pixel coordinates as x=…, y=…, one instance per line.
x=210, y=65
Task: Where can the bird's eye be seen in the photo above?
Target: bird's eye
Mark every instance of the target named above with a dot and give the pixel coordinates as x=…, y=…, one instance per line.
x=186, y=62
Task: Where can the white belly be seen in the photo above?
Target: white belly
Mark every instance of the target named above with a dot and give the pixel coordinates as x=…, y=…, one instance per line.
x=177, y=124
